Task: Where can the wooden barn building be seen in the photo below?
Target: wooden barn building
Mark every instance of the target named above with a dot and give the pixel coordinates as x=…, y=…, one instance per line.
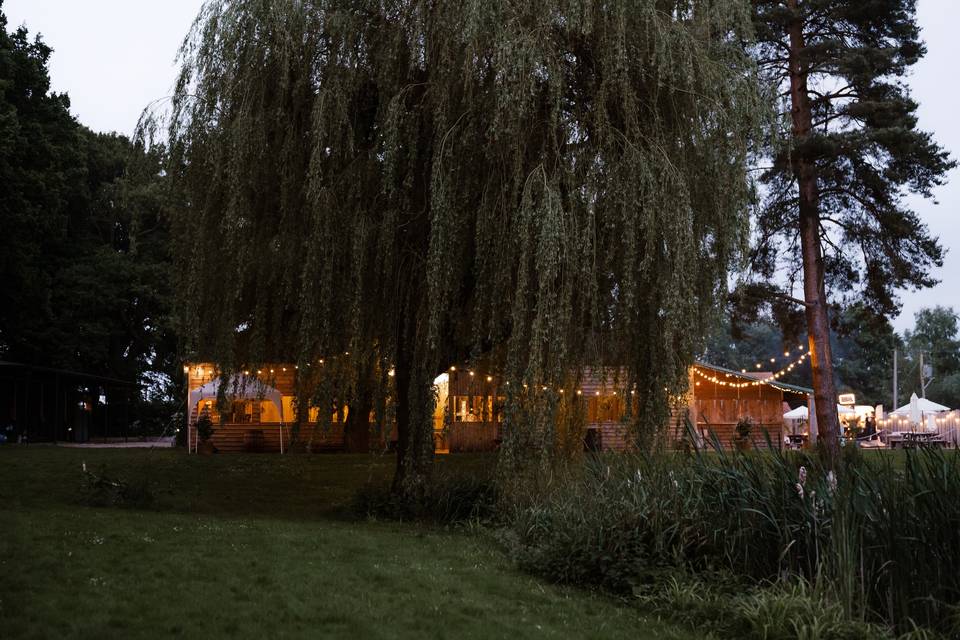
x=469, y=411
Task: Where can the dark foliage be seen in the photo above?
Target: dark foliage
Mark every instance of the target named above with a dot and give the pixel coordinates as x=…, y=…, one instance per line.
x=447, y=499
x=878, y=539
x=865, y=146
x=100, y=489
x=84, y=257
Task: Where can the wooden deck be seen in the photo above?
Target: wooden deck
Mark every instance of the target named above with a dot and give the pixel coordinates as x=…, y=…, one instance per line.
x=468, y=437
x=265, y=437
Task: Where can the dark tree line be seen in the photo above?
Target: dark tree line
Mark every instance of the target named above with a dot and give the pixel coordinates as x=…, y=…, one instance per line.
x=84, y=251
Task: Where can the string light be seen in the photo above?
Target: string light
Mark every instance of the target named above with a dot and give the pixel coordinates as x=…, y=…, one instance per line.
x=752, y=383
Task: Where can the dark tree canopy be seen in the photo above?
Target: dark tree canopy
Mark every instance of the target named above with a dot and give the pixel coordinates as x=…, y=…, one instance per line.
x=936, y=335
x=84, y=260
x=864, y=344
x=544, y=184
x=865, y=145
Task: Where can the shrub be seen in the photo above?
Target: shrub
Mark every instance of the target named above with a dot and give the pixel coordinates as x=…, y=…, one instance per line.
x=98, y=489
x=204, y=426
x=446, y=499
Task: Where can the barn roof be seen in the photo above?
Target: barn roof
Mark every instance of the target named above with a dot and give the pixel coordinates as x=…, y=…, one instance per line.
x=777, y=384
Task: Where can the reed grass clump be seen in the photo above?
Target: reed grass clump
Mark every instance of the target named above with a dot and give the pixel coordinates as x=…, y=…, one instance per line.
x=877, y=540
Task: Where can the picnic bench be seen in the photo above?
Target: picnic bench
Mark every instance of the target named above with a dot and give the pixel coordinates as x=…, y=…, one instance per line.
x=915, y=439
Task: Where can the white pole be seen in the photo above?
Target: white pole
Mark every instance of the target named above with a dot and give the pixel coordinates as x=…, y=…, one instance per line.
x=923, y=387
x=895, y=405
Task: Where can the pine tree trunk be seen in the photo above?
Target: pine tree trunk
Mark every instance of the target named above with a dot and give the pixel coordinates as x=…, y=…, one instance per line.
x=814, y=290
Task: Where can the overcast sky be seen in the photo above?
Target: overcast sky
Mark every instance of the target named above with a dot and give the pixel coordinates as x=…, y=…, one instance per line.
x=114, y=57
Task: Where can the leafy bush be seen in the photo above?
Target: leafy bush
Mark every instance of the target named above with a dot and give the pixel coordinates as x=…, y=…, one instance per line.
x=447, y=499
x=204, y=426
x=98, y=489
x=879, y=539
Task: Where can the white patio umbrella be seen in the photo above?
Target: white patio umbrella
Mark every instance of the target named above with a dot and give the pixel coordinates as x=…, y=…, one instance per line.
x=915, y=415
x=926, y=406
x=800, y=413
x=803, y=412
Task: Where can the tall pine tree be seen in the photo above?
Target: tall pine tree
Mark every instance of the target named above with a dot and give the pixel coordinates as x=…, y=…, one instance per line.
x=834, y=210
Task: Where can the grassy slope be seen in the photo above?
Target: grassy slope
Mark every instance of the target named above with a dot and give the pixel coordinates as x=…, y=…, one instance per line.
x=253, y=546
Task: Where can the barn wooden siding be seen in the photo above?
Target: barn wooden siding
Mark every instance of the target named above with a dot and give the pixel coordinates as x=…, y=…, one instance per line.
x=716, y=409
x=712, y=408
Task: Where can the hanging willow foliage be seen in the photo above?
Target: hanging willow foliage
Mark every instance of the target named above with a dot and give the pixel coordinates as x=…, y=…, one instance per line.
x=547, y=184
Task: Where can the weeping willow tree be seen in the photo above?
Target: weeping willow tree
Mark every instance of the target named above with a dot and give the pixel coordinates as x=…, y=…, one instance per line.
x=406, y=184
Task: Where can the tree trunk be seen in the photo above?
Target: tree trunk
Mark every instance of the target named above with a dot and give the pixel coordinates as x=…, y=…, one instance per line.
x=356, y=430
x=814, y=290
x=414, y=432
x=414, y=413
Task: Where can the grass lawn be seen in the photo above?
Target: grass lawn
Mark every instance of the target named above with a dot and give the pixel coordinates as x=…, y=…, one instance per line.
x=259, y=546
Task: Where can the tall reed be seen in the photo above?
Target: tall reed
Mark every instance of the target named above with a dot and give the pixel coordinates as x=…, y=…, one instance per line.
x=879, y=539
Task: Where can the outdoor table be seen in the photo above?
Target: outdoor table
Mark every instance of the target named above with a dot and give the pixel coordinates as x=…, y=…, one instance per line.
x=912, y=439
x=796, y=441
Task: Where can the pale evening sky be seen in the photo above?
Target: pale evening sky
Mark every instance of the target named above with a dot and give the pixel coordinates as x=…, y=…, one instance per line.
x=114, y=57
